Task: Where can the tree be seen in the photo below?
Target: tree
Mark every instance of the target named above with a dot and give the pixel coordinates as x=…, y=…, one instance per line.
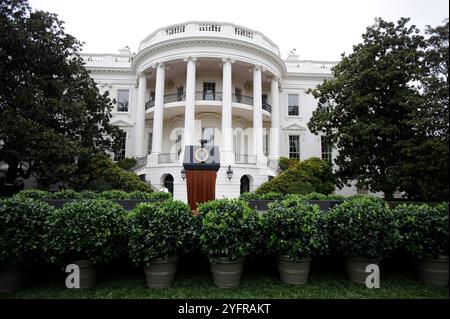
x=50, y=109
x=423, y=169
x=372, y=109
x=302, y=177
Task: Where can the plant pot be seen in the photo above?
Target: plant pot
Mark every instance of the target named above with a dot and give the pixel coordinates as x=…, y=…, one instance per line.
x=88, y=273
x=433, y=271
x=293, y=272
x=227, y=273
x=11, y=278
x=356, y=268
x=160, y=272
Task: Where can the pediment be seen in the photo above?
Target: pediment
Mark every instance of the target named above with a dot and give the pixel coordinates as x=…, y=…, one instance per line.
x=121, y=122
x=294, y=127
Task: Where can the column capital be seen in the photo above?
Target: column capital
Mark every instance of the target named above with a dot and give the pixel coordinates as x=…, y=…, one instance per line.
x=227, y=59
x=190, y=58
x=158, y=65
x=257, y=67
x=275, y=78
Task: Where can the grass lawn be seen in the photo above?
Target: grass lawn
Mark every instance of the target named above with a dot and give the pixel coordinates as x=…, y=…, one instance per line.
x=260, y=280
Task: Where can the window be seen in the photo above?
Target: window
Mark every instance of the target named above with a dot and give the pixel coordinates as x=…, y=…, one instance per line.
x=294, y=146
x=326, y=148
x=208, y=134
x=238, y=94
x=209, y=91
x=122, y=100
x=180, y=93
x=265, y=144
x=120, y=153
x=245, y=185
x=264, y=99
x=293, y=105
x=150, y=141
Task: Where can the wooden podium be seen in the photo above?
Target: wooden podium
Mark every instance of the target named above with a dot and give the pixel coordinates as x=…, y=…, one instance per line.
x=201, y=164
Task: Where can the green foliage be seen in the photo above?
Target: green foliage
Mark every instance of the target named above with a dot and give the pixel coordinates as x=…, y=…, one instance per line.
x=51, y=110
x=424, y=229
x=285, y=162
x=155, y=196
x=295, y=229
x=311, y=175
x=158, y=230
x=21, y=227
x=100, y=173
x=127, y=163
x=33, y=194
x=363, y=227
x=86, y=194
x=91, y=229
x=65, y=194
x=386, y=110
x=267, y=196
x=228, y=228
x=114, y=194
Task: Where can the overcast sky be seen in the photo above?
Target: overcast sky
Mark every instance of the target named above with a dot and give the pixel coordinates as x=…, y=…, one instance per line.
x=318, y=29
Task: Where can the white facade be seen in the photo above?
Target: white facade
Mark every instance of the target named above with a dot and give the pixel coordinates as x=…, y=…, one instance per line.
x=209, y=79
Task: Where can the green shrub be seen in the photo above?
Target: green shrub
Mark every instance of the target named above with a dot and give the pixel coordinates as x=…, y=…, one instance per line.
x=227, y=228
x=314, y=196
x=66, y=194
x=114, y=194
x=285, y=162
x=91, y=229
x=154, y=196
x=424, y=229
x=363, y=227
x=267, y=196
x=33, y=194
x=98, y=185
x=159, y=230
x=86, y=194
x=127, y=163
x=295, y=229
x=21, y=229
x=311, y=175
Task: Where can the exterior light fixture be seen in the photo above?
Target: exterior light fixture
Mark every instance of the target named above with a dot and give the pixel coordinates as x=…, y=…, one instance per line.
x=183, y=174
x=229, y=173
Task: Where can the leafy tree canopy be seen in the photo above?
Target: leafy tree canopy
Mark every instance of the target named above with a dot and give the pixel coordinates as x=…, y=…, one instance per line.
x=386, y=110
x=51, y=111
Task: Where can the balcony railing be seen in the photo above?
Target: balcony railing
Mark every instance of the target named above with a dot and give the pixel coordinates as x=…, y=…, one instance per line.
x=176, y=97
x=149, y=104
x=238, y=98
x=245, y=159
x=165, y=158
x=208, y=96
x=266, y=106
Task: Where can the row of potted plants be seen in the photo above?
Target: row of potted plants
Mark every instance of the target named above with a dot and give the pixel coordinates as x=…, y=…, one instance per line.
x=92, y=231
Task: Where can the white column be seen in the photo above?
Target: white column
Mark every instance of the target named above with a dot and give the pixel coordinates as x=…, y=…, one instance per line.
x=227, y=156
x=274, y=152
x=257, y=117
x=139, y=126
x=189, y=112
x=159, y=112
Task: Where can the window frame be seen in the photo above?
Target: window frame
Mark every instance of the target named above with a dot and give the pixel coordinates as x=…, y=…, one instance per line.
x=298, y=151
x=328, y=151
x=122, y=153
x=298, y=105
x=118, y=100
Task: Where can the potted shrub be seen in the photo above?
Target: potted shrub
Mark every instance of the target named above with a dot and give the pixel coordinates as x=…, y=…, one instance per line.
x=33, y=194
x=364, y=229
x=295, y=232
x=226, y=237
x=158, y=234
x=21, y=227
x=424, y=230
x=85, y=232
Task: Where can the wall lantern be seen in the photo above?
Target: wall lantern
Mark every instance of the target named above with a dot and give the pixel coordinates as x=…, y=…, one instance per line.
x=229, y=173
x=183, y=174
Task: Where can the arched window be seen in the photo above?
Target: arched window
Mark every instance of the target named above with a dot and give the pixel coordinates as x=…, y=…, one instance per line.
x=245, y=184
x=168, y=183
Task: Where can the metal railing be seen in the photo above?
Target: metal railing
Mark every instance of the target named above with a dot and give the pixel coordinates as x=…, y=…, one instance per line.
x=208, y=96
x=267, y=107
x=149, y=104
x=245, y=159
x=175, y=97
x=165, y=158
x=140, y=162
x=244, y=99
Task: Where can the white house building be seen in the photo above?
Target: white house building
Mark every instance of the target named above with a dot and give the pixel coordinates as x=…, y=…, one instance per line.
x=218, y=81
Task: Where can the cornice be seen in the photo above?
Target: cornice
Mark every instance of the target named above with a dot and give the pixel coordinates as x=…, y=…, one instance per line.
x=215, y=41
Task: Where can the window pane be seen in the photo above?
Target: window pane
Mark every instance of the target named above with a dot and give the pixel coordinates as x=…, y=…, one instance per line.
x=294, y=146
x=122, y=100
x=293, y=105
x=150, y=141
x=120, y=154
x=326, y=148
